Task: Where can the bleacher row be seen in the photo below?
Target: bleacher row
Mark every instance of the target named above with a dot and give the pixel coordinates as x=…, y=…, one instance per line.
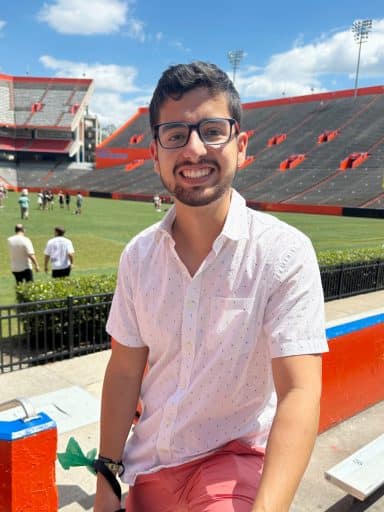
x=41, y=102
x=316, y=180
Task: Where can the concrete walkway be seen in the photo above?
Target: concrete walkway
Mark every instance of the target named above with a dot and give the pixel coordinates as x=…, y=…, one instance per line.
x=76, y=487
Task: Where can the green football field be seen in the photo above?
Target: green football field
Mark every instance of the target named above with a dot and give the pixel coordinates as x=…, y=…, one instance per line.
x=101, y=231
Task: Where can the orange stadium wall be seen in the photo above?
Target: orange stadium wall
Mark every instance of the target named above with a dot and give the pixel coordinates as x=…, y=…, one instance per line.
x=323, y=96
x=140, y=111
x=353, y=369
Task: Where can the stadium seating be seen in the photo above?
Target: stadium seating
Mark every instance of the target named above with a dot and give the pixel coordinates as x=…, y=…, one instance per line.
x=324, y=128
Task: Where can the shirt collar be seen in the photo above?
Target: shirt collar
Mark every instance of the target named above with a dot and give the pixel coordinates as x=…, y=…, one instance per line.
x=235, y=226
x=165, y=225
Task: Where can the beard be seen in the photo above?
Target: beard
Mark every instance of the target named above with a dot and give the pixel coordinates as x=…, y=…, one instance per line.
x=200, y=195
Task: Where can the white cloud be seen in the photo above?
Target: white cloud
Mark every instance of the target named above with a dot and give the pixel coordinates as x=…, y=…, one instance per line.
x=135, y=29
x=2, y=25
x=109, y=77
x=90, y=18
x=116, y=96
x=300, y=70
x=113, y=108
x=179, y=46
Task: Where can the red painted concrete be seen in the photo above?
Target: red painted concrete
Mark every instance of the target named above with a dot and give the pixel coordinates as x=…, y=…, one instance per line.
x=353, y=375
x=27, y=473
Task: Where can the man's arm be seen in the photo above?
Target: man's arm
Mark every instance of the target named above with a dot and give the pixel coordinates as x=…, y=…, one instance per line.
x=292, y=437
x=32, y=257
x=46, y=261
x=121, y=389
x=71, y=257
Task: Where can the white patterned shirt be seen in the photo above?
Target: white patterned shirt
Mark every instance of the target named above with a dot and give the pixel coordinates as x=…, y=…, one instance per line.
x=211, y=337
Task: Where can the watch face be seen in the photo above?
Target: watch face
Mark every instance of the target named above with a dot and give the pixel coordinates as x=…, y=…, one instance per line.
x=117, y=468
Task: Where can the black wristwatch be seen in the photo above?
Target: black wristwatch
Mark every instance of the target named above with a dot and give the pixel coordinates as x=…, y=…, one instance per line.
x=109, y=468
x=115, y=467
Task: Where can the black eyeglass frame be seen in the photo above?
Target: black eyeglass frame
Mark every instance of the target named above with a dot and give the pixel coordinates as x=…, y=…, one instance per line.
x=196, y=126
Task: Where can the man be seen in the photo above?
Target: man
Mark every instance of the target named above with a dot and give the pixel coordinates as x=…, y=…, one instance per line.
x=67, y=200
x=22, y=255
x=79, y=203
x=60, y=252
x=226, y=303
x=24, y=204
x=2, y=195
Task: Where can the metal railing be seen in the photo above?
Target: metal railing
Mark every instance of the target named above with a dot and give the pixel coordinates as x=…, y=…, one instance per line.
x=350, y=279
x=45, y=331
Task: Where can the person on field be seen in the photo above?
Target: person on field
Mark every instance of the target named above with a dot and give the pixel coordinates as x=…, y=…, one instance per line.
x=2, y=195
x=220, y=308
x=24, y=204
x=22, y=255
x=61, y=197
x=60, y=252
x=79, y=203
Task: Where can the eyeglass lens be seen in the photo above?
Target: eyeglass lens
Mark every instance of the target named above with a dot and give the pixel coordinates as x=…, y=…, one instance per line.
x=211, y=131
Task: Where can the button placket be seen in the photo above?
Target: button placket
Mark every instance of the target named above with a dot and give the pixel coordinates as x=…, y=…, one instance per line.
x=188, y=332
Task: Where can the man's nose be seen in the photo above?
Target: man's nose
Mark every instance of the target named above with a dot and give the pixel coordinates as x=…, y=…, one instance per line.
x=195, y=146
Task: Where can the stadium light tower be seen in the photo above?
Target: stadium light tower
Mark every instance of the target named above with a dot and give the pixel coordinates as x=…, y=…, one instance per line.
x=234, y=58
x=360, y=29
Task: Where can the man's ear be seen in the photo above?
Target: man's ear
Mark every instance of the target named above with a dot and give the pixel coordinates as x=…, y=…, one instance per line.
x=154, y=156
x=242, y=143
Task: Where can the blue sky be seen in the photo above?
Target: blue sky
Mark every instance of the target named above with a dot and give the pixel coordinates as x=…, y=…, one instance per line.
x=290, y=47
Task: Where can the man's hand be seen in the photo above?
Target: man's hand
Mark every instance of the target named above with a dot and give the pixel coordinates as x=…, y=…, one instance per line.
x=106, y=500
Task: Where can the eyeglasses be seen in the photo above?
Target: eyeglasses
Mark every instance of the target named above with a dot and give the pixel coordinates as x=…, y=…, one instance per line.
x=213, y=132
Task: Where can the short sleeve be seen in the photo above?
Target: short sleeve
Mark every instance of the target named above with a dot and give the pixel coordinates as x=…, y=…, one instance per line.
x=122, y=322
x=294, y=317
x=29, y=247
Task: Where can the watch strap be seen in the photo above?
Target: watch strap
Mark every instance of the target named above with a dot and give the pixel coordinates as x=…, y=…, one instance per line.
x=100, y=466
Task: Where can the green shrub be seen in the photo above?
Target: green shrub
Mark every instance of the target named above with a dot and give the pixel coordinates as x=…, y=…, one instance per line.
x=67, y=313
x=62, y=288
x=346, y=256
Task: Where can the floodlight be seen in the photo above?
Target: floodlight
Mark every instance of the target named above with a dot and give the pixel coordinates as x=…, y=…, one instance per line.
x=360, y=29
x=234, y=58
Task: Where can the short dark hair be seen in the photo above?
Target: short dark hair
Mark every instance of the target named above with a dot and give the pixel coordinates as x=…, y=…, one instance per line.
x=182, y=78
x=19, y=228
x=59, y=230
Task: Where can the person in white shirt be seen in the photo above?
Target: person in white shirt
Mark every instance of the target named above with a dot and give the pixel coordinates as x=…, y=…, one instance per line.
x=221, y=309
x=60, y=252
x=22, y=255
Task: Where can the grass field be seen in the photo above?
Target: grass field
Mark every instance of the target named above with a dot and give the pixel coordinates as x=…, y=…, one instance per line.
x=101, y=231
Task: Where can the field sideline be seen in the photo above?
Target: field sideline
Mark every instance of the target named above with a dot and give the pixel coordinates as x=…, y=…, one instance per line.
x=105, y=226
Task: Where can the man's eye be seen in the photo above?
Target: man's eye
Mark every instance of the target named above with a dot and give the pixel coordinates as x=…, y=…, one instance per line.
x=212, y=132
x=176, y=136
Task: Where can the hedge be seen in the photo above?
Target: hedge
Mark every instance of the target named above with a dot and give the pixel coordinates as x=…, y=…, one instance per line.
x=345, y=256
x=97, y=284
x=62, y=288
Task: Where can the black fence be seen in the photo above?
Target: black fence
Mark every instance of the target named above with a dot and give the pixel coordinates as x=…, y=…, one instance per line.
x=40, y=332
x=46, y=331
x=350, y=279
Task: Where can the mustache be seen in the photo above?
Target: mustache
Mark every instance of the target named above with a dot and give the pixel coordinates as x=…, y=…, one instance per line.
x=201, y=161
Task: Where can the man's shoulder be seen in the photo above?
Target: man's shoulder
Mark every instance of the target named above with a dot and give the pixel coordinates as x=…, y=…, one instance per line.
x=144, y=240
x=271, y=226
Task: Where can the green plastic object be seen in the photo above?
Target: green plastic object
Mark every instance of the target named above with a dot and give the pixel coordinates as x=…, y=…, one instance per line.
x=74, y=456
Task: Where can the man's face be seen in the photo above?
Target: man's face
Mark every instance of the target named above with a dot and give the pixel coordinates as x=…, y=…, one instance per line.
x=198, y=174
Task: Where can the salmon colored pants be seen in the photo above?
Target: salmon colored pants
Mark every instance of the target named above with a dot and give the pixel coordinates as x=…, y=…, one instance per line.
x=225, y=481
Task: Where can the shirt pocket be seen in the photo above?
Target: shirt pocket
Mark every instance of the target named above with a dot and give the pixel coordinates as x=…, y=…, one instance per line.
x=231, y=325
